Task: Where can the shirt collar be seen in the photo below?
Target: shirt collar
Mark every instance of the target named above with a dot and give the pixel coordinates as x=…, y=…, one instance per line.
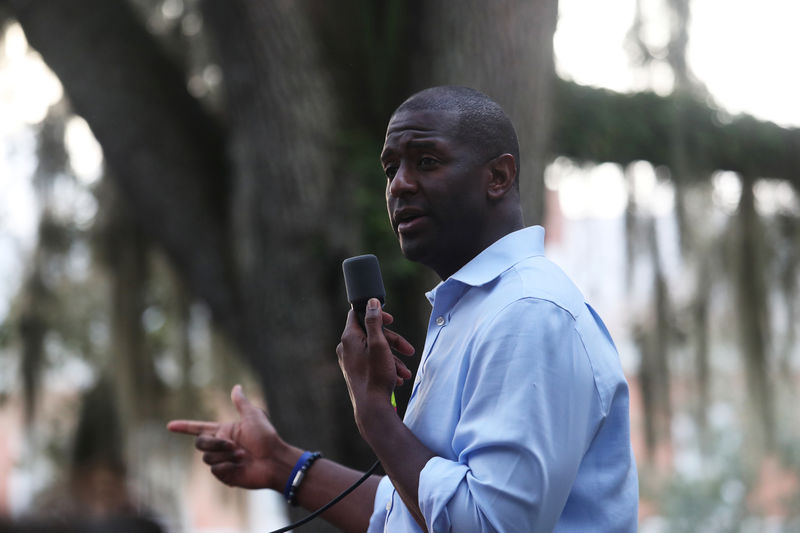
x=499, y=257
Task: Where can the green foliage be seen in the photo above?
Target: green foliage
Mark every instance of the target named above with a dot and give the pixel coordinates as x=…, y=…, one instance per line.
x=600, y=125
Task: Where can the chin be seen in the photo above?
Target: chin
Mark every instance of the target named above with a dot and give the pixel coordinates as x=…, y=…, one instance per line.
x=415, y=251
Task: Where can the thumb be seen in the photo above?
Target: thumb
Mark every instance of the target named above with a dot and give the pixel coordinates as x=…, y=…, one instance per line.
x=239, y=400
x=373, y=319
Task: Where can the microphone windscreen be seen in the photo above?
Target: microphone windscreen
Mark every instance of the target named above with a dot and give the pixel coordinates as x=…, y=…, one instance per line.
x=362, y=280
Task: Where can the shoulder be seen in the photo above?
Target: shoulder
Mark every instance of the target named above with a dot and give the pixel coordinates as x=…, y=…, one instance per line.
x=534, y=310
x=528, y=295
x=538, y=285
x=527, y=321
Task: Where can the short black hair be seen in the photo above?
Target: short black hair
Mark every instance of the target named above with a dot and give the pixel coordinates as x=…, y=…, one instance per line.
x=481, y=122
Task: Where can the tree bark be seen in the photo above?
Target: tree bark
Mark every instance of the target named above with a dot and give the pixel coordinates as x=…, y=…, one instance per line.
x=505, y=49
x=280, y=134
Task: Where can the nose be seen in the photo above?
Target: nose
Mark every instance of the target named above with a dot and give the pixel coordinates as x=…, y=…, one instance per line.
x=403, y=183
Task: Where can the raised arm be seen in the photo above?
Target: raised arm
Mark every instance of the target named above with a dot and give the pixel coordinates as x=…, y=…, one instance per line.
x=371, y=372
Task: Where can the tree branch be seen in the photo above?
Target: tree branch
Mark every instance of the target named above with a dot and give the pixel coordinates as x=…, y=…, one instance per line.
x=601, y=125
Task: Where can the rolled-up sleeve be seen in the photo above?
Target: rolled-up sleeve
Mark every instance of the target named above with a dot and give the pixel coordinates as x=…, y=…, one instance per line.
x=383, y=496
x=528, y=411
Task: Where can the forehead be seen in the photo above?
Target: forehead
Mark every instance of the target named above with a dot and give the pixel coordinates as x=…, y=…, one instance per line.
x=433, y=125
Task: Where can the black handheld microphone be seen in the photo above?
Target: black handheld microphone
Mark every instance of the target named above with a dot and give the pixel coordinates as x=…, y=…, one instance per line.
x=362, y=281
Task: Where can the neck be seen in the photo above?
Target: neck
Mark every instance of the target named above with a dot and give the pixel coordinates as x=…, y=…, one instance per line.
x=492, y=235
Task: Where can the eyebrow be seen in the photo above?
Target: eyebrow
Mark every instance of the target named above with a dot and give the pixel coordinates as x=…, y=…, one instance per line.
x=412, y=145
x=420, y=144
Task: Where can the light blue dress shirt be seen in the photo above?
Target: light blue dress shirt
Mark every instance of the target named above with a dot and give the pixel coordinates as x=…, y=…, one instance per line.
x=521, y=396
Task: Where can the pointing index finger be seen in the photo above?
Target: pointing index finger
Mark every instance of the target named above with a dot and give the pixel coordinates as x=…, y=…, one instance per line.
x=193, y=427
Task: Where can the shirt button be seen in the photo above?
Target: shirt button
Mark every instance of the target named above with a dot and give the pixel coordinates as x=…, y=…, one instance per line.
x=440, y=321
x=389, y=505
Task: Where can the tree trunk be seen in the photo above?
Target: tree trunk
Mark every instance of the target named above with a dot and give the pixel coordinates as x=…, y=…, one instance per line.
x=505, y=49
x=165, y=151
x=281, y=125
x=751, y=299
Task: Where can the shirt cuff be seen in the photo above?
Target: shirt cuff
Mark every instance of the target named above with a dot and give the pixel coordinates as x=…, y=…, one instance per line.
x=438, y=482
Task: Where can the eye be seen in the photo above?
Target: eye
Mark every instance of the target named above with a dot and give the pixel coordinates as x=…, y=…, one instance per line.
x=427, y=163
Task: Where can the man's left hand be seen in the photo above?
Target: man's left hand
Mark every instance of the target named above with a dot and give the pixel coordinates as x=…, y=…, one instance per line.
x=368, y=363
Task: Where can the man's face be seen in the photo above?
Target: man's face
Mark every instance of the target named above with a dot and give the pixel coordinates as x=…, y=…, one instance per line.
x=435, y=190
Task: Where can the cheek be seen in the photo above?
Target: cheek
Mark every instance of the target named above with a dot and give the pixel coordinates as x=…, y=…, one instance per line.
x=389, y=202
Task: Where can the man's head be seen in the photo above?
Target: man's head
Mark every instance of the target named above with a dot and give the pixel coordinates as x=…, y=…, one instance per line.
x=451, y=160
x=480, y=121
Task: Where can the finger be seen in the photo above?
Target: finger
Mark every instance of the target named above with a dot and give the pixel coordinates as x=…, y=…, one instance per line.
x=352, y=320
x=403, y=373
x=352, y=328
x=225, y=471
x=373, y=319
x=387, y=318
x=193, y=427
x=213, y=458
x=398, y=343
x=240, y=400
x=205, y=443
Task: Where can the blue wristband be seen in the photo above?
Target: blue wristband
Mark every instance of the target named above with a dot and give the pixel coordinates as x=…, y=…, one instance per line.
x=298, y=473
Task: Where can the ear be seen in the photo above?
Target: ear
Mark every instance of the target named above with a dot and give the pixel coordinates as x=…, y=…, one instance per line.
x=503, y=170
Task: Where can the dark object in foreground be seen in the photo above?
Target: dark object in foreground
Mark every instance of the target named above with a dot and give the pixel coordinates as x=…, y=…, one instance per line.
x=117, y=524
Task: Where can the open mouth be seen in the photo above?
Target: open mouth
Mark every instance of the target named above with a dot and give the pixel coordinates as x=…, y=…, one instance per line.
x=408, y=220
x=410, y=223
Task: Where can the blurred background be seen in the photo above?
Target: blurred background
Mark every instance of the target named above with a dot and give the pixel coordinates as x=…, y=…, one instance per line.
x=181, y=179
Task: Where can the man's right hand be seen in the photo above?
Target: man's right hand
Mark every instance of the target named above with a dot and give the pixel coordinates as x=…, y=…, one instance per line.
x=250, y=454
x=247, y=453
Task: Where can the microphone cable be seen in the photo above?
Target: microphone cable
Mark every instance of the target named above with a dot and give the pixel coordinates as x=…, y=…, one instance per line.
x=331, y=503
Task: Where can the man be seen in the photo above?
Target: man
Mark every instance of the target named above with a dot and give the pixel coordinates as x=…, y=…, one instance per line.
x=518, y=419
